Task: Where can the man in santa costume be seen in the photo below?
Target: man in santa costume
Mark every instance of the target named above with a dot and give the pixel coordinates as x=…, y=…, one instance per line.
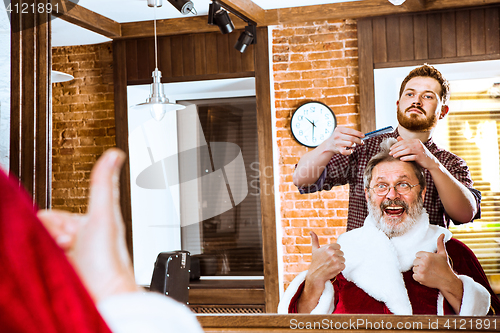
x=397, y=263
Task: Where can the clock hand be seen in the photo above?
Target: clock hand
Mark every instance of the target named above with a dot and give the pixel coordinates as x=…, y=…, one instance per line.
x=309, y=121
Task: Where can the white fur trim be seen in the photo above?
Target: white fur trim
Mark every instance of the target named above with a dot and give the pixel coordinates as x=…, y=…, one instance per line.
x=290, y=292
x=375, y=263
x=440, y=304
x=372, y=264
x=476, y=299
x=325, y=305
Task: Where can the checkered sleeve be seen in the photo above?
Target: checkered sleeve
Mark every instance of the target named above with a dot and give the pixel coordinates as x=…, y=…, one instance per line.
x=334, y=174
x=459, y=169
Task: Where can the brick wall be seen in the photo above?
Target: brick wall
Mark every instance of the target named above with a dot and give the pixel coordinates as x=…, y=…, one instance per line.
x=83, y=120
x=312, y=62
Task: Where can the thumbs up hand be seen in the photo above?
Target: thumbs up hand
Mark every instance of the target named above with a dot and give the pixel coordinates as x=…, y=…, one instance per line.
x=327, y=262
x=433, y=269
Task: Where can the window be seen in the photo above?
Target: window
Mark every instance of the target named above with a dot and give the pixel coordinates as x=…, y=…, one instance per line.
x=194, y=180
x=473, y=130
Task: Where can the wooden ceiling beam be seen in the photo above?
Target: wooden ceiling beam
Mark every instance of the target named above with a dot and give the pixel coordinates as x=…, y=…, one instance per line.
x=414, y=5
x=198, y=24
x=81, y=16
x=450, y=4
x=177, y=26
x=246, y=8
x=361, y=9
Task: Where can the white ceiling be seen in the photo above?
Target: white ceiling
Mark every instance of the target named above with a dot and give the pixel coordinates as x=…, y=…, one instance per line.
x=66, y=34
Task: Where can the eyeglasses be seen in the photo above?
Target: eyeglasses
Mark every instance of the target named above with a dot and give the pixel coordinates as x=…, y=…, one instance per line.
x=382, y=189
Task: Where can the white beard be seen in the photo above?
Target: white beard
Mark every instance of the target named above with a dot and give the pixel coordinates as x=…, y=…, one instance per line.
x=398, y=226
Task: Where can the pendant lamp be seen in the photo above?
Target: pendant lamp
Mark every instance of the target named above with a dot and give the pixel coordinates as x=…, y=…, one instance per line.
x=157, y=103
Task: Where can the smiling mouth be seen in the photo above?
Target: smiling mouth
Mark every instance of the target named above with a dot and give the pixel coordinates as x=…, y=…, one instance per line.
x=394, y=211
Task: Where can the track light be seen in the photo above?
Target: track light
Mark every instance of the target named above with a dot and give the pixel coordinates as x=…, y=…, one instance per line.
x=218, y=16
x=246, y=38
x=183, y=6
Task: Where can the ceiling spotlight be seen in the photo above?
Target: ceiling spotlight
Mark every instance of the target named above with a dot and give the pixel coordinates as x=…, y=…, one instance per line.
x=246, y=38
x=218, y=16
x=183, y=6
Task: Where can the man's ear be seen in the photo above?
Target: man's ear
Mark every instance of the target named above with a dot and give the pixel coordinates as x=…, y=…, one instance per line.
x=444, y=111
x=423, y=193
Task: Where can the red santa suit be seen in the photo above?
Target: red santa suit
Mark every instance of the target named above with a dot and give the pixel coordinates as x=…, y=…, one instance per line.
x=378, y=276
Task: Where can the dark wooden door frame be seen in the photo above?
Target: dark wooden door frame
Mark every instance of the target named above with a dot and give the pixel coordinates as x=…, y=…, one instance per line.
x=264, y=121
x=31, y=99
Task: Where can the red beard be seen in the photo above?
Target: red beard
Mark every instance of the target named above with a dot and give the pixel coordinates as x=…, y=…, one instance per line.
x=413, y=123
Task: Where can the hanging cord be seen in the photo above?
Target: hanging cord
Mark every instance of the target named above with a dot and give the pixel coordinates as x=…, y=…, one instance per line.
x=156, y=46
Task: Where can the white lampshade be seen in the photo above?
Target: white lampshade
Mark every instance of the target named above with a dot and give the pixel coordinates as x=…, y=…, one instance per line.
x=397, y=2
x=158, y=109
x=56, y=77
x=157, y=103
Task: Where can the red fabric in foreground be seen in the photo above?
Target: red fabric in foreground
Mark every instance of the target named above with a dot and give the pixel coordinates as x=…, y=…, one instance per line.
x=39, y=289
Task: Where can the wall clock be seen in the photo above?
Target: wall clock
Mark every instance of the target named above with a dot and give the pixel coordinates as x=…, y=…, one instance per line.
x=312, y=123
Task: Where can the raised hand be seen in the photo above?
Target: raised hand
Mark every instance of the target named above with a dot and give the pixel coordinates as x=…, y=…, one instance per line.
x=433, y=270
x=343, y=138
x=414, y=150
x=95, y=242
x=327, y=262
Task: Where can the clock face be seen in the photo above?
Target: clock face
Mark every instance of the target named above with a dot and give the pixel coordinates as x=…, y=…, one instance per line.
x=312, y=123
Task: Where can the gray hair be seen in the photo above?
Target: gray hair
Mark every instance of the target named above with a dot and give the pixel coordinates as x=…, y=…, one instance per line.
x=383, y=156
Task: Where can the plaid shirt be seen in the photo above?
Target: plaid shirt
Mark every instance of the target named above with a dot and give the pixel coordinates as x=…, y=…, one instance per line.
x=349, y=169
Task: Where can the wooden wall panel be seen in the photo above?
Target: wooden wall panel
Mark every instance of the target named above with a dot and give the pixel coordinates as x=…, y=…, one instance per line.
x=143, y=67
x=188, y=58
x=406, y=38
x=420, y=30
x=449, y=35
x=165, y=56
x=463, y=33
x=492, y=26
x=379, y=40
x=477, y=32
x=441, y=36
x=131, y=56
x=211, y=55
x=247, y=62
x=393, y=39
x=434, y=40
x=199, y=54
x=222, y=53
x=177, y=57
